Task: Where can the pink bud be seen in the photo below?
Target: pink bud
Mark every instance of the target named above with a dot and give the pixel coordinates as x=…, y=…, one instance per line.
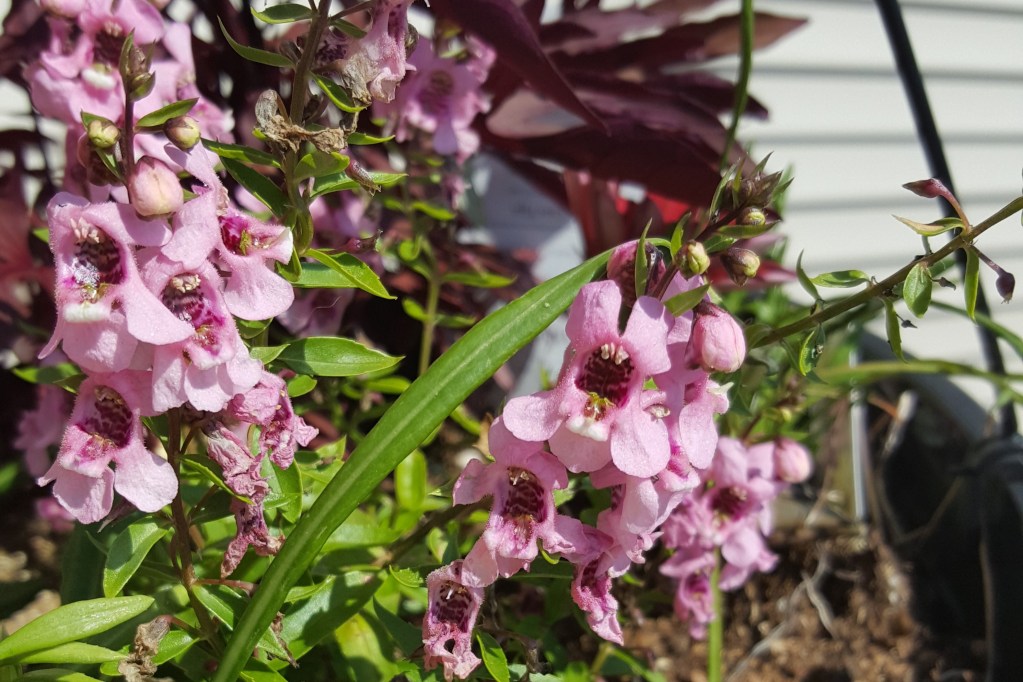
x=717, y=341
x=931, y=188
x=792, y=462
x=1005, y=284
x=154, y=189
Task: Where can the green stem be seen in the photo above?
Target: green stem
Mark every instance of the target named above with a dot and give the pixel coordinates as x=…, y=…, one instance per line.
x=742, y=86
x=879, y=288
x=598, y=661
x=716, y=628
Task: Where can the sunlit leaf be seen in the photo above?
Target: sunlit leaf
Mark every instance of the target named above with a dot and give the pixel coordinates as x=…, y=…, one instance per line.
x=687, y=300
x=340, y=271
x=283, y=14
x=494, y=659
x=893, y=328
x=932, y=229
x=841, y=279
x=163, y=114
x=254, y=54
x=917, y=289
x=241, y=153
x=971, y=281
x=258, y=184
x=329, y=356
x=804, y=279
x=127, y=551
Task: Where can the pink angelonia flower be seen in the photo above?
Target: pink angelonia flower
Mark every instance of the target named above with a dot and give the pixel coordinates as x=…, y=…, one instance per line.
x=212, y=364
x=589, y=550
x=103, y=307
x=694, y=598
x=243, y=245
x=153, y=189
x=521, y=481
x=792, y=461
x=106, y=427
x=80, y=74
x=252, y=532
x=442, y=96
x=371, y=66
x=450, y=618
x=269, y=406
x=599, y=412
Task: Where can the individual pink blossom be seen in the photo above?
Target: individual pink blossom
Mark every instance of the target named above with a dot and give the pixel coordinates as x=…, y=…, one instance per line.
x=792, y=462
x=212, y=364
x=599, y=412
x=103, y=307
x=449, y=622
x=372, y=66
x=588, y=549
x=269, y=406
x=694, y=597
x=106, y=427
x=442, y=97
x=717, y=343
x=521, y=480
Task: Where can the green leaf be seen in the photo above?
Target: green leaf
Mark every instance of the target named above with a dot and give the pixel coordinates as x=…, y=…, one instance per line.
x=266, y=354
x=493, y=656
x=328, y=356
x=416, y=312
x=810, y=350
x=971, y=282
x=482, y=280
x=433, y=210
x=261, y=186
x=363, y=138
x=348, y=28
x=226, y=605
x=50, y=374
x=932, y=229
x=127, y=551
x=283, y=14
x=687, y=300
x=410, y=481
x=342, y=271
x=893, y=327
x=254, y=54
x=339, y=181
x=309, y=622
x=408, y=637
x=337, y=94
x=56, y=675
x=285, y=490
x=78, y=653
x=642, y=265
x=317, y=163
x=917, y=289
x=163, y=114
x=72, y=622
x=841, y=279
x=469, y=362
x=250, y=329
x=804, y=280
x=300, y=385
x=241, y=153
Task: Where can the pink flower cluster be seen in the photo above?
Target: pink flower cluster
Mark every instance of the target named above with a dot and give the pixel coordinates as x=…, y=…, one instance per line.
x=633, y=410
x=148, y=287
x=729, y=512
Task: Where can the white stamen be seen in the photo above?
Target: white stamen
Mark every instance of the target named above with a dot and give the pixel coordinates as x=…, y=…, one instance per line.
x=621, y=355
x=605, y=351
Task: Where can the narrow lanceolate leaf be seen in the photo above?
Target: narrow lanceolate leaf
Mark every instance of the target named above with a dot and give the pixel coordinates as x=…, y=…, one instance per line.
x=164, y=114
x=932, y=229
x=340, y=271
x=893, y=327
x=78, y=653
x=261, y=187
x=70, y=623
x=240, y=152
x=841, y=279
x=804, y=279
x=810, y=350
x=917, y=289
x=327, y=356
x=283, y=14
x=971, y=282
x=414, y=415
x=127, y=552
x=364, y=138
x=46, y=375
x=642, y=266
x=254, y=54
x=55, y=675
x=493, y=657
x=337, y=94
x=339, y=182
x=686, y=301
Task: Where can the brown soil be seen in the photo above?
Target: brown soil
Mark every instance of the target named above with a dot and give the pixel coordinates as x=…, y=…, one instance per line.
x=836, y=609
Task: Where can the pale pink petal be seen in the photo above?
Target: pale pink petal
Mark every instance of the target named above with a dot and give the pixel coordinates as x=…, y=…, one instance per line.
x=144, y=479
x=593, y=318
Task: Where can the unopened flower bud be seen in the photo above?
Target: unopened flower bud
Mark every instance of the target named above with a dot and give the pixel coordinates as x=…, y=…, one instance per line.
x=753, y=215
x=741, y=264
x=103, y=133
x=759, y=189
x=154, y=189
x=183, y=132
x=96, y=172
x=621, y=268
x=792, y=462
x=717, y=343
x=1005, y=284
x=134, y=69
x=694, y=259
x=932, y=188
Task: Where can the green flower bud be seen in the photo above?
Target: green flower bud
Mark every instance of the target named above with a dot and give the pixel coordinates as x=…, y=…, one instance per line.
x=103, y=133
x=183, y=132
x=694, y=259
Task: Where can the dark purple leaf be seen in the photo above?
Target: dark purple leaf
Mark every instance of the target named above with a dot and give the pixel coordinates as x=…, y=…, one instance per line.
x=502, y=25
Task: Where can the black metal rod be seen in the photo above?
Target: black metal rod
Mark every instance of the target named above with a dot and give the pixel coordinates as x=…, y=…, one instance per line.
x=930, y=140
